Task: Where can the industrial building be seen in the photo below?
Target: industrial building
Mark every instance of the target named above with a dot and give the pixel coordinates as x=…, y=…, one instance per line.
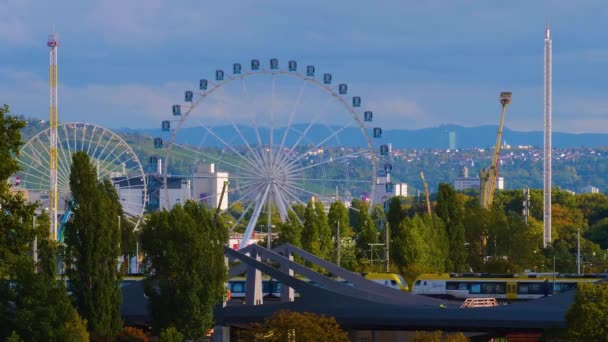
x=207, y=186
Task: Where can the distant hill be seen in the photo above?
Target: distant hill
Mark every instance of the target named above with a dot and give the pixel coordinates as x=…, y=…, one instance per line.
x=434, y=137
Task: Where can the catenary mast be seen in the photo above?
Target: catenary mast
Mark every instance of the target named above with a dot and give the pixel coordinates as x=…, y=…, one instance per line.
x=52, y=43
x=547, y=142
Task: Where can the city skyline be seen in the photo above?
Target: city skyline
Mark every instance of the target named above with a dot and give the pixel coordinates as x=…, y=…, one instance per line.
x=417, y=65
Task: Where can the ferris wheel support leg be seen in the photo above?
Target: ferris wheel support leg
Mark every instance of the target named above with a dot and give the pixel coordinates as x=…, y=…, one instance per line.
x=254, y=219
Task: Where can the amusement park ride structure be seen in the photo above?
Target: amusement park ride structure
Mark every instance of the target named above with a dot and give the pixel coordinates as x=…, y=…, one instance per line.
x=489, y=175
x=274, y=161
x=53, y=43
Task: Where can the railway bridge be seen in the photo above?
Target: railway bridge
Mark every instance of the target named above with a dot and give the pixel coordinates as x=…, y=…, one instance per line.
x=364, y=308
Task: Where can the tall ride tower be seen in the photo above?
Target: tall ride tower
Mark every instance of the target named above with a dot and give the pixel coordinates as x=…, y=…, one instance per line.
x=547, y=143
x=52, y=43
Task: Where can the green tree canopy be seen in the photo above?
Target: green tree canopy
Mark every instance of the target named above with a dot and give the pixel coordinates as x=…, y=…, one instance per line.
x=450, y=210
x=185, y=250
x=310, y=232
x=298, y=327
x=587, y=318
x=35, y=307
x=92, y=248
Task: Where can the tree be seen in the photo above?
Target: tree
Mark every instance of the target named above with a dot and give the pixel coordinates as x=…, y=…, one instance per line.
x=130, y=334
x=171, y=335
x=450, y=210
x=338, y=214
x=294, y=326
x=92, y=248
x=35, y=306
x=367, y=232
x=310, y=232
x=395, y=214
x=587, y=318
x=339, y=223
x=291, y=231
x=326, y=245
x=438, y=336
x=182, y=294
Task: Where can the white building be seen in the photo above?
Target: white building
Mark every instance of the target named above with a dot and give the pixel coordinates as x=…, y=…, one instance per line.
x=463, y=183
x=178, y=191
x=207, y=186
x=235, y=239
x=589, y=189
x=400, y=189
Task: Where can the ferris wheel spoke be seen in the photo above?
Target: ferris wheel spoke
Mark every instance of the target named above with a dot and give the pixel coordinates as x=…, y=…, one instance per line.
x=294, y=197
x=241, y=187
x=67, y=140
x=308, y=127
x=230, y=147
x=76, y=139
x=271, y=128
x=37, y=158
x=240, y=134
x=249, y=195
x=109, y=153
x=116, y=156
x=295, y=187
x=217, y=159
x=245, y=211
x=254, y=218
x=319, y=144
x=94, y=154
x=42, y=179
x=254, y=121
x=291, y=118
x=280, y=204
x=62, y=162
x=42, y=172
x=294, y=170
x=105, y=147
x=90, y=141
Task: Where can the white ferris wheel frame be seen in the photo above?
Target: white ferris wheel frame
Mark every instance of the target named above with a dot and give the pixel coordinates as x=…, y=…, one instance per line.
x=65, y=157
x=200, y=95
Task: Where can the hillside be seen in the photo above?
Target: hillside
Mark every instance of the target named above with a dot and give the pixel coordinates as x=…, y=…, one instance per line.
x=435, y=137
x=425, y=150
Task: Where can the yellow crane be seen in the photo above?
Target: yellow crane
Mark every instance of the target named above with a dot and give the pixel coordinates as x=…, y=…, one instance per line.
x=219, y=203
x=426, y=193
x=489, y=175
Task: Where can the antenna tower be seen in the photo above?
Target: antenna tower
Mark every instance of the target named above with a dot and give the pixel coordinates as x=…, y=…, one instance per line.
x=547, y=141
x=52, y=43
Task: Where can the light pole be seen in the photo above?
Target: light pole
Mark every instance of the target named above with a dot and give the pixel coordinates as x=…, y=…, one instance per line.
x=338, y=244
x=553, y=273
x=578, y=251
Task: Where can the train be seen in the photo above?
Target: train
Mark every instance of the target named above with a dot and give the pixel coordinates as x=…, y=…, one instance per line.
x=271, y=288
x=500, y=286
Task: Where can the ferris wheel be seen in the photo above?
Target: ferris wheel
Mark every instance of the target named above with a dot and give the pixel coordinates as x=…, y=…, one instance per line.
x=112, y=156
x=280, y=136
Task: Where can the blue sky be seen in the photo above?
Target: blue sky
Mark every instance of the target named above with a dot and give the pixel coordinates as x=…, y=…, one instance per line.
x=416, y=63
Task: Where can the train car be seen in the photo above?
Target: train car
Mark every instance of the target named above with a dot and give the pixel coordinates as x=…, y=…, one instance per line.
x=270, y=288
x=500, y=286
x=392, y=280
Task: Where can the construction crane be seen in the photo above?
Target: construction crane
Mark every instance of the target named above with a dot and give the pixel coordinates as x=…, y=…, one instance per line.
x=219, y=203
x=489, y=175
x=426, y=193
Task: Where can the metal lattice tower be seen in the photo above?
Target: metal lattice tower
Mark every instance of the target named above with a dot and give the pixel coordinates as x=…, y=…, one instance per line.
x=547, y=142
x=52, y=43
